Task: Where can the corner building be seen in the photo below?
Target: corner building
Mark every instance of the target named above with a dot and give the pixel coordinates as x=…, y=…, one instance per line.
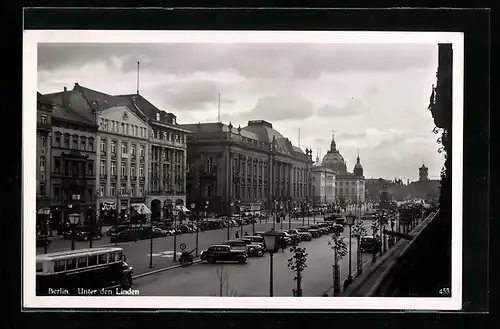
x=254, y=167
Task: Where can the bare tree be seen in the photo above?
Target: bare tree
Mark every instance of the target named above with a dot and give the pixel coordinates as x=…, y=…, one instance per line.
x=339, y=247
x=297, y=263
x=359, y=232
x=224, y=290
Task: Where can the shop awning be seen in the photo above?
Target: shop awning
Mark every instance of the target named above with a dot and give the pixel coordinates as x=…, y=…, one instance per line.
x=141, y=208
x=43, y=211
x=181, y=208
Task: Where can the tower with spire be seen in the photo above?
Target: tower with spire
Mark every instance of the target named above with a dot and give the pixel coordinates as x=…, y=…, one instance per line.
x=358, y=168
x=423, y=173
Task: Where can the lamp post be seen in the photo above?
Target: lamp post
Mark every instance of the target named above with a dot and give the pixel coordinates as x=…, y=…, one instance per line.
x=228, y=227
x=270, y=242
x=350, y=221
x=197, y=227
x=174, y=213
x=73, y=220
x=241, y=223
x=289, y=216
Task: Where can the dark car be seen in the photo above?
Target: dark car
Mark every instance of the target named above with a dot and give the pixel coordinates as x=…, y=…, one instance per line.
x=131, y=234
x=116, y=229
x=252, y=248
x=85, y=234
x=341, y=220
x=223, y=253
x=256, y=239
x=368, y=244
x=303, y=234
x=294, y=235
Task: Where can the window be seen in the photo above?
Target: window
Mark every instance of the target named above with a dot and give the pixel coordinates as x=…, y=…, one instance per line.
x=118, y=255
x=103, y=259
x=123, y=128
x=132, y=170
x=56, y=192
x=352, y=191
x=113, y=147
x=92, y=260
x=75, y=142
x=82, y=262
x=44, y=141
x=102, y=170
x=43, y=118
x=103, y=145
x=42, y=163
x=132, y=150
x=66, y=141
x=141, y=190
x=113, y=168
x=124, y=148
x=90, y=167
x=112, y=189
x=346, y=190
x=83, y=144
x=111, y=258
x=101, y=189
x=42, y=189
x=58, y=141
x=132, y=187
x=59, y=265
x=141, y=170
x=70, y=264
x=141, y=151
x=123, y=169
x=91, y=144
x=209, y=165
x=122, y=189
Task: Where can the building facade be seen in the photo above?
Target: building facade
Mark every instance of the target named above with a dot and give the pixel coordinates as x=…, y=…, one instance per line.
x=167, y=160
x=43, y=151
x=72, y=165
x=323, y=181
x=349, y=187
x=254, y=167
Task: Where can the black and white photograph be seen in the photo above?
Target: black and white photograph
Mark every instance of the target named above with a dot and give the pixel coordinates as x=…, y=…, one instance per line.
x=225, y=169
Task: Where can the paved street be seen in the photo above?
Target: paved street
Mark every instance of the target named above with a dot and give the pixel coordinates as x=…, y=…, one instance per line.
x=163, y=248
x=252, y=279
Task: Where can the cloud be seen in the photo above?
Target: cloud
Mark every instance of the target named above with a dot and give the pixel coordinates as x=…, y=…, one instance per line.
x=302, y=61
x=353, y=107
x=352, y=135
x=192, y=95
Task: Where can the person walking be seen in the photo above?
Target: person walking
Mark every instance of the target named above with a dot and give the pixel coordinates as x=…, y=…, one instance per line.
x=237, y=235
x=246, y=233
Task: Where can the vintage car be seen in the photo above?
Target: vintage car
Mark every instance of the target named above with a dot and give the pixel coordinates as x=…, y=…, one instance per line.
x=223, y=253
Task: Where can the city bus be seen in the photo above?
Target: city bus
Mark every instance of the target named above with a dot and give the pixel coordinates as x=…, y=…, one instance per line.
x=92, y=271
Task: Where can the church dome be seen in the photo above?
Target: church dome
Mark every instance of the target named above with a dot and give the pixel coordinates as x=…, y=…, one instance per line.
x=334, y=160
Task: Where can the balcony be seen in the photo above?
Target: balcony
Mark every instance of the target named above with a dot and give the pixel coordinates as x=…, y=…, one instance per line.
x=47, y=127
x=114, y=177
x=103, y=177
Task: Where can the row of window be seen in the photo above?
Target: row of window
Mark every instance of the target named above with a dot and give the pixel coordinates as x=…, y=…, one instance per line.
x=165, y=135
x=83, y=262
x=70, y=168
x=74, y=142
x=122, y=189
x=167, y=155
x=123, y=128
x=66, y=196
x=123, y=169
x=124, y=148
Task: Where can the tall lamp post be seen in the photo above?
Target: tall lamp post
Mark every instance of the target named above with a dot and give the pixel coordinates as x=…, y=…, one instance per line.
x=73, y=220
x=270, y=238
x=174, y=214
x=241, y=223
x=197, y=227
x=228, y=227
x=350, y=221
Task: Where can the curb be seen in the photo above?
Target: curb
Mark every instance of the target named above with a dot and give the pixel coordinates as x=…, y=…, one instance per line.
x=365, y=266
x=138, y=276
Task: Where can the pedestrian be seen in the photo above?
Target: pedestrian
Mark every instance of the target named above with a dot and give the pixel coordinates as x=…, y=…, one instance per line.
x=237, y=235
x=246, y=233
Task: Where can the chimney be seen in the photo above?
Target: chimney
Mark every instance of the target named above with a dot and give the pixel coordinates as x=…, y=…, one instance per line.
x=65, y=98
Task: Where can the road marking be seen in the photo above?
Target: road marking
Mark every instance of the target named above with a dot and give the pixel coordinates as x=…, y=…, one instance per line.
x=164, y=254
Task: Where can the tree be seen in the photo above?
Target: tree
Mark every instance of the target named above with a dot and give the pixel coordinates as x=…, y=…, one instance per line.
x=359, y=231
x=224, y=290
x=297, y=263
x=375, y=228
x=339, y=247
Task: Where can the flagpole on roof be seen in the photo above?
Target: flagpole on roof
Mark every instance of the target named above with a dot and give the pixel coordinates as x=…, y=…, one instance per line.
x=138, y=65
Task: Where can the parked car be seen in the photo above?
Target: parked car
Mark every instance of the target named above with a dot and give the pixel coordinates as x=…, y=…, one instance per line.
x=341, y=220
x=125, y=236
x=256, y=239
x=158, y=232
x=223, y=253
x=116, y=229
x=368, y=244
x=304, y=235
x=253, y=248
x=85, y=234
x=294, y=235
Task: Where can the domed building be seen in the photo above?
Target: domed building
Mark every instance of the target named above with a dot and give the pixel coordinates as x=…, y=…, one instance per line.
x=349, y=187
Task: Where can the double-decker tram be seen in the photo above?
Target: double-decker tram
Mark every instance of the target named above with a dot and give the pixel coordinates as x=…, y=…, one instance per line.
x=94, y=271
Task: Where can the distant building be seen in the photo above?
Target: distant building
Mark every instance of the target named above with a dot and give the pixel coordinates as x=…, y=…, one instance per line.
x=349, y=187
x=323, y=181
x=423, y=173
x=252, y=167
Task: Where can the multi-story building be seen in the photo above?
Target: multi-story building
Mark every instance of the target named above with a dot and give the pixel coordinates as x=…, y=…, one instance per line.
x=73, y=159
x=349, y=187
x=253, y=167
x=323, y=181
x=43, y=156
x=167, y=160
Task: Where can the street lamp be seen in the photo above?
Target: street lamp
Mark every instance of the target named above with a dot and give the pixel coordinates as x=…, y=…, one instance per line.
x=270, y=238
x=230, y=218
x=73, y=220
x=197, y=227
x=350, y=221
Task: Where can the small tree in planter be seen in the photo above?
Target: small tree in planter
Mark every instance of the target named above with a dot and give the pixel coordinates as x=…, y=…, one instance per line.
x=297, y=263
x=224, y=284
x=359, y=231
x=375, y=228
x=339, y=247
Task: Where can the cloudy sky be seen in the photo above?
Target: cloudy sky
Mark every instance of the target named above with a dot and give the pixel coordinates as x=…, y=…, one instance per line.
x=373, y=96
